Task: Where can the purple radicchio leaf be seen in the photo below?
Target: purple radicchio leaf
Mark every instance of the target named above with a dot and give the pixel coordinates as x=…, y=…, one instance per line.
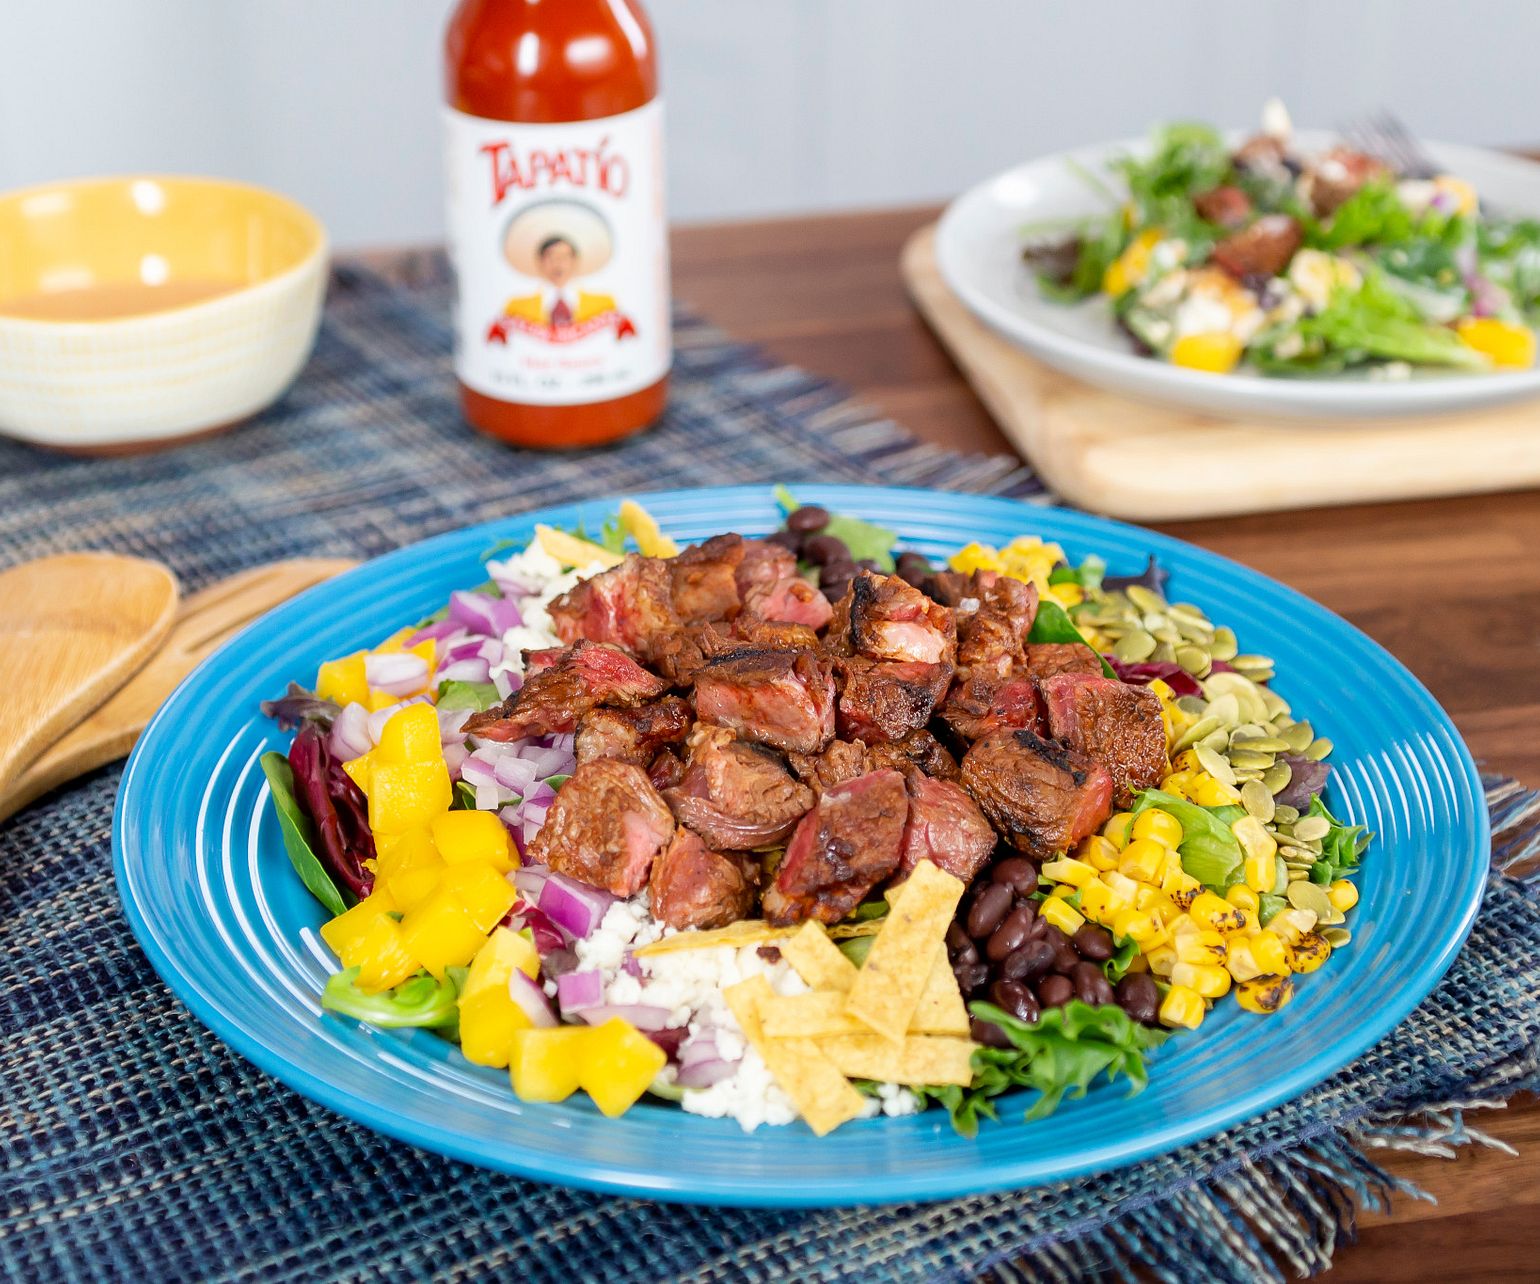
x=337, y=808
x=298, y=705
x=1308, y=780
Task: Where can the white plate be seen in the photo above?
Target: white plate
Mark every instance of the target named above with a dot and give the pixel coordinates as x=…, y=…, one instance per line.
x=978, y=249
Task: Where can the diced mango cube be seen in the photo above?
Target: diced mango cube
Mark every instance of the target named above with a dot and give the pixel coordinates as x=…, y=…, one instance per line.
x=342, y=681
x=411, y=734
x=361, y=771
x=440, y=932
x=545, y=1064
x=1216, y=351
x=341, y=931
x=486, y=895
x=474, y=837
x=1509, y=346
x=408, y=866
x=407, y=795
x=368, y=938
x=619, y=1062
x=381, y=700
x=504, y=953
x=489, y=1018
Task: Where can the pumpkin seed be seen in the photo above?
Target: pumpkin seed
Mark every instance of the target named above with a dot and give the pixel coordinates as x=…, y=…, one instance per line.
x=1298, y=737
x=1218, y=741
x=1277, y=778
x=1246, y=663
x=1153, y=620
x=1204, y=726
x=1310, y=896
x=1224, y=707
x=1337, y=937
x=1144, y=599
x=1194, y=659
x=1282, y=812
x=1224, y=645
x=1293, y=851
x=1277, y=707
x=1248, y=758
x=1192, y=704
x=1259, y=744
x=1188, y=609
x=1164, y=653
x=1308, y=827
x=1318, y=749
x=1244, y=730
x=1247, y=773
x=1297, y=874
x=1200, y=633
x=1333, y=916
x=1134, y=646
x=1257, y=801
x=1215, y=765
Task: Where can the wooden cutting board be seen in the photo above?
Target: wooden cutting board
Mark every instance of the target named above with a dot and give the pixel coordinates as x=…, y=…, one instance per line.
x=1146, y=462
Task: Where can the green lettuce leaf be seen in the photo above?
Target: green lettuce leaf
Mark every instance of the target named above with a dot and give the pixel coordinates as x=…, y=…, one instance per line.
x=299, y=834
x=865, y=540
x=1373, y=321
x=476, y=696
x=1209, y=851
x=1052, y=624
x=420, y=1001
x=1340, y=849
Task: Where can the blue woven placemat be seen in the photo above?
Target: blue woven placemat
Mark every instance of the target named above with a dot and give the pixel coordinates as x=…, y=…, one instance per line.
x=135, y=1146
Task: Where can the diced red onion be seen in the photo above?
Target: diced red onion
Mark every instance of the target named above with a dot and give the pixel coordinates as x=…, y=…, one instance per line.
x=493, y=650
x=644, y=1016
x=451, y=725
x=506, y=683
x=397, y=673
x=532, y=817
x=454, y=757
x=548, y=762
x=350, y=736
x=529, y=879
x=488, y=797
x=576, y=991
x=474, y=669
x=564, y=740
x=631, y=965
x=531, y=1000
x=705, y=1073
x=480, y=613
x=512, y=582
x=669, y=1039
x=463, y=648
x=516, y=774
x=573, y=906
x=700, y=1048
x=549, y=939
x=539, y=795
x=438, y=631
x=476, y=772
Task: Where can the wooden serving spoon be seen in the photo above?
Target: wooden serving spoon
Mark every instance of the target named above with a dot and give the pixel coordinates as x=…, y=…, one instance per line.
x=72, y=629
x=206, y=620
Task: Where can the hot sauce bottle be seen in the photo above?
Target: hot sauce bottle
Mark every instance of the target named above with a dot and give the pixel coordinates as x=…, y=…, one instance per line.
x=557, y=232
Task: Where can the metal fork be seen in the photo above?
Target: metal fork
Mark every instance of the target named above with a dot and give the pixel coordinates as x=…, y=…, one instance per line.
x=1381, y=134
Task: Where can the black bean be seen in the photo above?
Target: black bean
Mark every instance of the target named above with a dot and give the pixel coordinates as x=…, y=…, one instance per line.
x=823, y=549
x=988, y=1033
x=1015, y=998
x=1065, y=958
x=1028, y=963
x=957, y=939
x=1091, y=986
x=967, y=952
x=1043, y=930
x=1012, y=934
x=970, y=976
x=1094, y=943
x=913, y=567
x=1136, y=994
x=1017, y=873
x=989, y=907
x=807, y=519
x=786, y=539
x=868, y=564
x=1055, y=991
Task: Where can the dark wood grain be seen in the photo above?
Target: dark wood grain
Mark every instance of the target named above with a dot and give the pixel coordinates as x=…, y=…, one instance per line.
x=1451, y=586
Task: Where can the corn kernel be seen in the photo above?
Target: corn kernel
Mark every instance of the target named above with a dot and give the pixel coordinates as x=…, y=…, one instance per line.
x=1118, y=829
x=1268, y=950
x=1261, y=872
x=1066, y=595
x=1161, y=958
x=1182, y=1007
x=1209, y=792
x=1249, y=921
x=1216, y=913
x=1062, y=915
x=1122, y=886
x=1097, y=902
x=1264, y=994
x=1208, y=980
x=1253, y=837
x=1240, y=962
x=1160, y=825
x=1510, y=346
x=1098, y=852
x=1068, y=870
x=1143, y=860
x=975, y=557
x=1062, y=891
x=1291, y=924
x=1134, y=924
x=1309, y=952
x=1216, y=351
x=1186, y=762
x=1243, y=896
x=1343, y=895
x=1201, y=947
x=1181, y=887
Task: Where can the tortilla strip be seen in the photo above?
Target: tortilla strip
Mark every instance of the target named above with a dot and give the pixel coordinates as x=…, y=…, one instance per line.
x=917, y=1060
x=817, y=959
x=941, y=1009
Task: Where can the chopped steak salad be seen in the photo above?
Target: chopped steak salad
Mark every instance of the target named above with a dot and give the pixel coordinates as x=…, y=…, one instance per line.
x=805, y=827
x=1285, y=263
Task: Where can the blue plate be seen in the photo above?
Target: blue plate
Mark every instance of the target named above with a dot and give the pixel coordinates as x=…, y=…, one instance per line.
x=211, y=896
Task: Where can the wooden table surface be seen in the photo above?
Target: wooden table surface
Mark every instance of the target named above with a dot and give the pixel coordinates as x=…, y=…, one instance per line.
x=1452, y=587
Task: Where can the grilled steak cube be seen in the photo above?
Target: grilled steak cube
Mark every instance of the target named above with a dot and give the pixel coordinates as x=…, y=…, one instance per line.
x=993, y=638
x=841, y=761
x=888, y=699
x=693, y=886
x=784, y=699
x=918, y=749
x=950, y=588
x=605, y=828
x=1263, y=249
x=1042, y=797
x=537, y=660
x=985, y=703
x=557, y=696
x=762, y=565
x=1115, y=723
x=841, y=850
x=630, y=605
x=703, y=579
x=884, y=618
x=773, y=635
x=666, y=770
x=1046, y=659
x=945, y=826
x=737, y=796
x=634, y=735
x=788, y=600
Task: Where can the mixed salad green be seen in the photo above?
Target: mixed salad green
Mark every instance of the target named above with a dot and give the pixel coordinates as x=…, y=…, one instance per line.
x=1215, y=257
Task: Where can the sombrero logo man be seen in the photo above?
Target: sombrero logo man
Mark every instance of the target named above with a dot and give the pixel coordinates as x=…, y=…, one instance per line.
x=558, y=242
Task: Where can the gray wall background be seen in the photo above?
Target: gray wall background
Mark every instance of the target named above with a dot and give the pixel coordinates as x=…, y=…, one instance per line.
x=775, y=106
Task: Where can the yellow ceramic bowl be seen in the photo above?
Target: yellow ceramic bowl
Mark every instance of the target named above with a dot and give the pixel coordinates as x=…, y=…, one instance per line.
x=134, y=311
